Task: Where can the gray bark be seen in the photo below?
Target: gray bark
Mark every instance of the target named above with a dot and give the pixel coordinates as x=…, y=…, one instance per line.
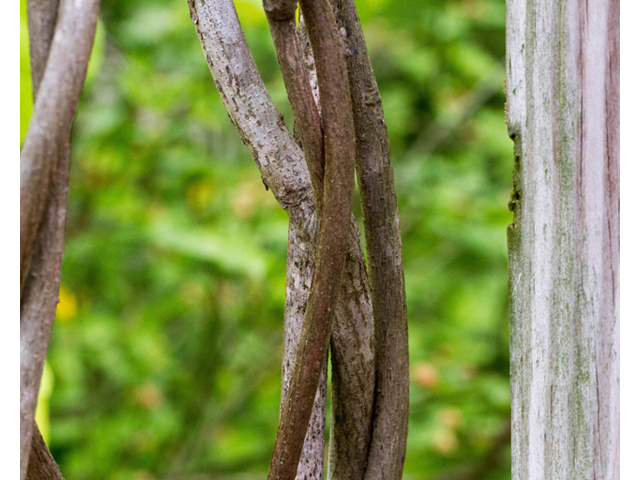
x=300, y=267
x=59, y=61
x=53, y=112
x=282, y=165
x=563, y=114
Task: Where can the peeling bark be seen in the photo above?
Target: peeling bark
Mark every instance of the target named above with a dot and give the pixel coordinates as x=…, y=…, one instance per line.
x=563, y=115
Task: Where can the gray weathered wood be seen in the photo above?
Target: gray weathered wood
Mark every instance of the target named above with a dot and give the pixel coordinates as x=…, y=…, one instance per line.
x=563, y=114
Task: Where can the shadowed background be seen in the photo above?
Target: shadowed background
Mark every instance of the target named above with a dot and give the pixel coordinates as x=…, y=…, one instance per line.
x=165, y=356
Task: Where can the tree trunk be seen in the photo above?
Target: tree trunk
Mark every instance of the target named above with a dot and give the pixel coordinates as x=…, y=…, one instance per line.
x=562, y=91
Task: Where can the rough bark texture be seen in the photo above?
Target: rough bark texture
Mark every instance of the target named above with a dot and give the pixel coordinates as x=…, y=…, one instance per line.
x=563, y=115
x=291, y=58
x=300, y=266
x=300, y=263
x=352, y=357
x=352, y=370
x=333, y=239
x=309, y=60
x=42, y=466
x=44, y=181
x=352, y=348
x=384, y=252
x=283, y=168
x=252, y=111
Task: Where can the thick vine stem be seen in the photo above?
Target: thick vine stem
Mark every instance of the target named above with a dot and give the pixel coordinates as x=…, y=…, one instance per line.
x=252, y=111
x=282, y=23
x=41, y=18
x=282, y=165
x=300, y=266
x=352, y=370
x=38, y=307
x=339, y=147
x=45, y=165
x=352, y=399
x=352, y=359
x=384, y=251
x=53, y=113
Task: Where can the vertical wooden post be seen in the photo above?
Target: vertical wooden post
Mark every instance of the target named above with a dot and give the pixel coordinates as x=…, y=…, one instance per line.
x=562, y=87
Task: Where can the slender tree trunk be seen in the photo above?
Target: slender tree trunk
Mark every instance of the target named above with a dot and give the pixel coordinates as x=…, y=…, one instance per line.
x=563, y=114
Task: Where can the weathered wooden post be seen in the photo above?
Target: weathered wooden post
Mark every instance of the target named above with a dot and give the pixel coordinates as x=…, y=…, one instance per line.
x=563, y=71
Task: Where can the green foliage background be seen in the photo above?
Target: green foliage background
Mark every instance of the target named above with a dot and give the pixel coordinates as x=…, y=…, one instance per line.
x=165, y=358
